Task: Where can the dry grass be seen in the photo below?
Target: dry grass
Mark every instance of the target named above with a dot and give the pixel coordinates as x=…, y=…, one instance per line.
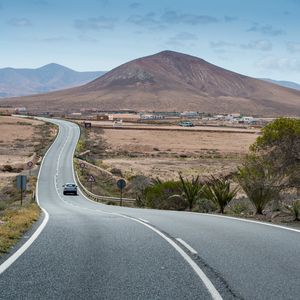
x=163, y=154
x=14, y=222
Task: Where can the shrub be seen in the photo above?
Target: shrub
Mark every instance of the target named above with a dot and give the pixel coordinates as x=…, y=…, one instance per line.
x=295, y=210
x=190, y=190
x=259, y=181
x=7, y=168
x=218, y=191
x=159, y=195
x=205, y=205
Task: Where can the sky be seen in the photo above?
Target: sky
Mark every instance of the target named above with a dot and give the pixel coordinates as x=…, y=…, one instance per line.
x=258, y=38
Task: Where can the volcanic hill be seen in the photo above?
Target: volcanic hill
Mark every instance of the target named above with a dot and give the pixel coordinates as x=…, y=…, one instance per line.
x=171, y=81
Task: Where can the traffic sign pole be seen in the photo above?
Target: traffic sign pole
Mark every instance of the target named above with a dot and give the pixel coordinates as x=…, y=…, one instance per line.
x=121, y=183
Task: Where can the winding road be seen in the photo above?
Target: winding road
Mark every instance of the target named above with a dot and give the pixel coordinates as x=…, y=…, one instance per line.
x=87, y=250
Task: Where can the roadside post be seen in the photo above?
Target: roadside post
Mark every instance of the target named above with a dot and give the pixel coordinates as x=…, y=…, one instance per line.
x=29, y=165
x=82, y=166
x=21, y=185
x=91, y=180
x=121, y=183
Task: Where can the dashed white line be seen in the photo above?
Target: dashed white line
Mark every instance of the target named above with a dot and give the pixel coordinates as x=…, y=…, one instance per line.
x=187, y=246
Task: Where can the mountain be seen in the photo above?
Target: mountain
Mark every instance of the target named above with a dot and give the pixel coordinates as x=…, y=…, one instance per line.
x=170, y=81
x=51, y=77
x=288, y=84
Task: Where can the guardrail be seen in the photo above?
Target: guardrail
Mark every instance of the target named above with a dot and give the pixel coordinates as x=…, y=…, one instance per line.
x=101, y=198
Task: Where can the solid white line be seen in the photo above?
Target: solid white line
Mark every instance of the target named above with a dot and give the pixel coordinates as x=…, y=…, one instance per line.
x=208, y=284
x=186, y=245
x=8, y=262
x=143, y=220
x=250, y=221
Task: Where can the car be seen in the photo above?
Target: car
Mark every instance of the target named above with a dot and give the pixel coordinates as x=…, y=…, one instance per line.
x=186, y=124
x=69, y=189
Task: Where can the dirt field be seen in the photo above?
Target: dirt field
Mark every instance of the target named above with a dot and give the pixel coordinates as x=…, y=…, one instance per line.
x=17, y=140
x=163, y=154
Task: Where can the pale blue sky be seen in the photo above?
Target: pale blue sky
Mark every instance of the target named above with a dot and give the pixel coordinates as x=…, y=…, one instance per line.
x=252, y=37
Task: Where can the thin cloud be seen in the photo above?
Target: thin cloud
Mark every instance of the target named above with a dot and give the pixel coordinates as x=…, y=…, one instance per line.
x=279, y=64
x=293, y=47
x=99, y=23
x=221, y=44
x=173, y=17
x=229, y=19
x=154, y=21
x=263, y=45
x=148, y=20
x=135, y=5
x=19, y=22
x=181, y=38
x=55, y=39
x=265, y=29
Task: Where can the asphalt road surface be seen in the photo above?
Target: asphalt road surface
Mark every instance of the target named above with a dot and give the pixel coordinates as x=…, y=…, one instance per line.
x=88, y=250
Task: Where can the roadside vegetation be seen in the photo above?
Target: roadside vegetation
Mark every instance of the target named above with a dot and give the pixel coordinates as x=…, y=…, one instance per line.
x=266, y=184
x=16, y=219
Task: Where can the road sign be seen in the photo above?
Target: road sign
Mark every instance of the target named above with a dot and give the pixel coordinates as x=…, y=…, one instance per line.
x=82, y=165
x=121, y=183
x=91, y=178
x=30, y=164
x=21, y=182
x=21, y=185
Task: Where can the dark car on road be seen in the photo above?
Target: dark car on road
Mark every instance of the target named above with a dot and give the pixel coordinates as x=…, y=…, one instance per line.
x=70, y=189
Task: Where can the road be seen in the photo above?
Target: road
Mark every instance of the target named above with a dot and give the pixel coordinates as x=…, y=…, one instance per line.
x=88, y=250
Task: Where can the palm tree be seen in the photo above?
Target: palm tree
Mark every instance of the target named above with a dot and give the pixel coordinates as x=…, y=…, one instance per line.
x=218, y=191
x=190, y=190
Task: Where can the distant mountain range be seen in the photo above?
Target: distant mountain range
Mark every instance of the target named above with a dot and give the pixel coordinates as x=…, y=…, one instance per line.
x=51, y=77
x=170, y=81
x=288, y=84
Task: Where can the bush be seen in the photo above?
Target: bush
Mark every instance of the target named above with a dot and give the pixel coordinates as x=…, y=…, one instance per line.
x=190, y=190
x=7, y=168
x=218, y=191
x=295, y=210
x=206, y=206
x=159, y=194
x=259, y=181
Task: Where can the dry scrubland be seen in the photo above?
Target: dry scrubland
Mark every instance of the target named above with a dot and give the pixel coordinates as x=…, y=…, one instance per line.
x=136, y=154
x=163, y=154
x=21, y=141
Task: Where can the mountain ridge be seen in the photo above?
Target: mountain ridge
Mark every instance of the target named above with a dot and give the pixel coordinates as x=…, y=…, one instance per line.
x=172, y=81
x=16, y=82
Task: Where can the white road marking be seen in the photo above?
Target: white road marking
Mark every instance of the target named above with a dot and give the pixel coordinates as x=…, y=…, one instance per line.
x=186, y=245
x=249, y=221
x=143, y=220
x=8, y=262
x=208, y=284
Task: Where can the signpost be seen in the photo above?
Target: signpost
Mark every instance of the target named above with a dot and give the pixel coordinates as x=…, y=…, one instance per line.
x=82, y=166
x=29, y=165
x=121, y=183
x=21, y=185
x=91, y=179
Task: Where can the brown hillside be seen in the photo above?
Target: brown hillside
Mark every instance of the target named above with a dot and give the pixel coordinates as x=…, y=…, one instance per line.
x=171, y=81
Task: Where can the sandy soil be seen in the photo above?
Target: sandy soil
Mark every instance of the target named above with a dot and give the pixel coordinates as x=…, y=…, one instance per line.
x=163, y=154
x=17, y=137
x=178, y=142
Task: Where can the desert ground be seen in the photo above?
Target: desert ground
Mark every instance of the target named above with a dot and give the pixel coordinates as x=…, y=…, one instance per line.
x=165, y=153
x=17, y=140
x=21, y=141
